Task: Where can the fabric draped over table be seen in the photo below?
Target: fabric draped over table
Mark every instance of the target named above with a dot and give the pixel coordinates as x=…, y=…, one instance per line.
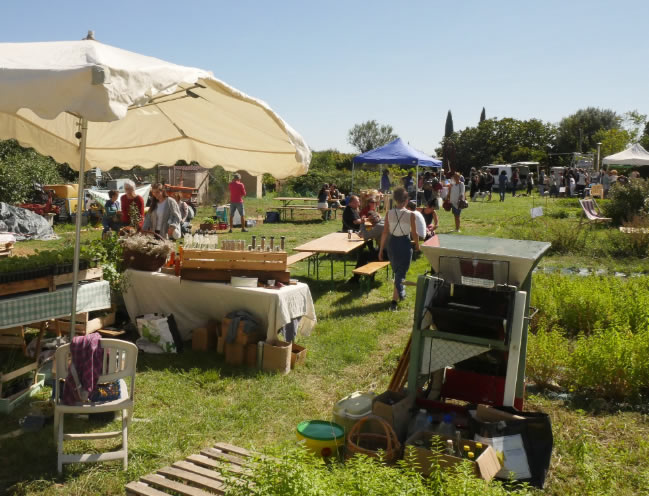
x=193, y=303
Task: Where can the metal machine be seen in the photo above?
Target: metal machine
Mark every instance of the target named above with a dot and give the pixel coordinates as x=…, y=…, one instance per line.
x=469, y=336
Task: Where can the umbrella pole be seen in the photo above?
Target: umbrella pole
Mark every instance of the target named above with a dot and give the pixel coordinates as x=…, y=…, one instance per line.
x=352, y=178
x=77, y=229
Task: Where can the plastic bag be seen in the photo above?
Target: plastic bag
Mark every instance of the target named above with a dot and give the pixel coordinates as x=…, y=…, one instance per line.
x=160, y=330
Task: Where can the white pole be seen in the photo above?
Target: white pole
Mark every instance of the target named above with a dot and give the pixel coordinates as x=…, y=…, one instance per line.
x=597, y=168
x=77, y=233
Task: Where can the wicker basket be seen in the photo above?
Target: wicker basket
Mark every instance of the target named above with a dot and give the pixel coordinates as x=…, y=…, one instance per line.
x=142, y=261
x=369, y=443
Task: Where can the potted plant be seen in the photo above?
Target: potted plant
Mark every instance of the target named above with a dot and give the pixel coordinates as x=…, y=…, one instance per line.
x=207, y=224
x=145, y=251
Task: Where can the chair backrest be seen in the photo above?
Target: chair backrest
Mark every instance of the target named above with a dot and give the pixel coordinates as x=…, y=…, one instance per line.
x=120, y=360
x=597, y=190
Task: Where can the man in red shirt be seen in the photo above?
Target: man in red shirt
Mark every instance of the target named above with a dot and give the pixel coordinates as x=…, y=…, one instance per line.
x=237, y=192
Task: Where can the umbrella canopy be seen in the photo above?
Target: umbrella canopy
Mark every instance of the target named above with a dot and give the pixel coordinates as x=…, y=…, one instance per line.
x=397, y=152
x=83, y=102
x=634, y=155
x=141, y=111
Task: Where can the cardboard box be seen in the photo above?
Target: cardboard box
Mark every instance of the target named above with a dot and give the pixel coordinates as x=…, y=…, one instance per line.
x=486, y=466
x=251, y=355
x=298, y=355
x=395, y=408
x=203, y=339
x=277, y=357
x=235, y=353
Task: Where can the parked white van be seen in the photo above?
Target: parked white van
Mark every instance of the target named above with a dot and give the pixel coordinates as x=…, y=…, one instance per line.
x=496, y=169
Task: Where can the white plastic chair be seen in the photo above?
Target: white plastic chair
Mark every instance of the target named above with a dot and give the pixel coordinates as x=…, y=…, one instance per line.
x=120, y=359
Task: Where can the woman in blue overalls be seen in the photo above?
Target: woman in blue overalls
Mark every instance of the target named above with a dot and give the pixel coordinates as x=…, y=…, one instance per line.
x=399, y=223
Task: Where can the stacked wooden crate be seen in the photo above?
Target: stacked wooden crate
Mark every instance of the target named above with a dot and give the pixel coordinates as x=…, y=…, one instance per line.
x=221, y=265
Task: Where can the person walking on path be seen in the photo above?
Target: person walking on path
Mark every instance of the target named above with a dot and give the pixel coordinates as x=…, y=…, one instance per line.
x=237, y=192
x=502, y=185
x=399, y=223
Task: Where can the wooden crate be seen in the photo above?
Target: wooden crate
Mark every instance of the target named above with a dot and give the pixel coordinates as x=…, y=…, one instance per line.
x=234, y=260
x=221, y=265
x=48, y=282
x=83, y=324
x=13, y=337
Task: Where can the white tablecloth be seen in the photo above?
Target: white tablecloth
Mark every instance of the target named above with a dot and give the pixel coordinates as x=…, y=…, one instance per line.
x=193, y=303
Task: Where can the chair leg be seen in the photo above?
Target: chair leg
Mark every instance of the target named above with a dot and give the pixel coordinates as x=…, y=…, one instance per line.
x=125, y=421
x=59, y=447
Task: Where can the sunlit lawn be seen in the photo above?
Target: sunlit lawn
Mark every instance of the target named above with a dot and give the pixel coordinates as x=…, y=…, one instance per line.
x=186, y=402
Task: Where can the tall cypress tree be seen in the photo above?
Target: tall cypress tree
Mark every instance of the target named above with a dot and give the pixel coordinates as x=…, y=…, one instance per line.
x=483, y=115
x=448, y=130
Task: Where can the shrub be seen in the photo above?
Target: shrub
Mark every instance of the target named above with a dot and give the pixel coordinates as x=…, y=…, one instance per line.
x=566, y=237
x=586, y=304
x=548, y=353
x=627, y=201
x=291, y=470
x=633, y=243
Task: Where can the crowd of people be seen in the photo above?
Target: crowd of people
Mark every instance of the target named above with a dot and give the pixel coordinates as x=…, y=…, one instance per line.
x=168, y=214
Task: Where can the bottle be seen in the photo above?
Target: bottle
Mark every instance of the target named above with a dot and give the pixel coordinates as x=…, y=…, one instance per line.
x=471, y=456
x=272, y=243
x=445, y=427
x=458, y=450
x=263, y=243
x=282, y=241
x=419, y=422
x=465, y=450
x=254, y=242
x=450, y=449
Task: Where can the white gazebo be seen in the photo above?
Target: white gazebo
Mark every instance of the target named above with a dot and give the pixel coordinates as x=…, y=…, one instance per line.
x=635, y=155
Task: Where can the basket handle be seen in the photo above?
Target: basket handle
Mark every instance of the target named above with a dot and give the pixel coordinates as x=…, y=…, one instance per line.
x=389, y=432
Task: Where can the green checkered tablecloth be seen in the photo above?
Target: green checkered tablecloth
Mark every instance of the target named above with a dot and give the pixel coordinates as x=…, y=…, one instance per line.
x=35, y=307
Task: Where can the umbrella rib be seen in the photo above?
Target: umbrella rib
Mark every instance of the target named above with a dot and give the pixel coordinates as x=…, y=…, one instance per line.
x=235, y=148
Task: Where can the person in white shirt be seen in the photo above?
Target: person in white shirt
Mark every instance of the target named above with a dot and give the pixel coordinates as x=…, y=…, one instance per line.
x=455, y=194
x=420, y=222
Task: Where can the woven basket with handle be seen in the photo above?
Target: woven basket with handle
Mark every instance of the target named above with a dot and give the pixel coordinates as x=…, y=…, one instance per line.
x=142, y=261
x=369, y=443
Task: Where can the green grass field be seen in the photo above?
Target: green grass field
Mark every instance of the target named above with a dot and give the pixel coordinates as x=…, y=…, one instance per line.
x=186, y=402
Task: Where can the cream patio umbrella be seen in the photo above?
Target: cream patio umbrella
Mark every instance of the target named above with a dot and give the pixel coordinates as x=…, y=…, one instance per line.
x=94, y=105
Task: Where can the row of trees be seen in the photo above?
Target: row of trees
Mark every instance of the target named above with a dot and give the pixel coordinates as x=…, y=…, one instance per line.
x=509, y=140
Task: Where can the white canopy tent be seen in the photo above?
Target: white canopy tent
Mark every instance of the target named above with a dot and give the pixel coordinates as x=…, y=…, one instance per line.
x=634, y=155
x=94, y=105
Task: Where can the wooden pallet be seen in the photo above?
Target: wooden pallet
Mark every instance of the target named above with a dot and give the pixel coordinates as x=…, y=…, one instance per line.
x=203, y=474
x=48, y=282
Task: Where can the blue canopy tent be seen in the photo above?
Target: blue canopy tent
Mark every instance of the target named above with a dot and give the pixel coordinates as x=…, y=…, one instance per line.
x=396, y=152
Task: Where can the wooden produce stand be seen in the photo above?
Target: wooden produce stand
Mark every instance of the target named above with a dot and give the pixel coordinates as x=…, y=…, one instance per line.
x=221, y=265
x=13, y=337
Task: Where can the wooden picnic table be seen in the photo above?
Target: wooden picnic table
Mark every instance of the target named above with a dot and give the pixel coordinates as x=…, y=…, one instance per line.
x=336, y=243
x=287, y=204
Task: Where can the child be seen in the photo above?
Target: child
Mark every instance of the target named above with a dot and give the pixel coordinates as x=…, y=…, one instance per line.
x=110, y=218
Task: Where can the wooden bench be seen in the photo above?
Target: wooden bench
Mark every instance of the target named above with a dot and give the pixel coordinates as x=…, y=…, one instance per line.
x=298, y=257
x=370, y=269
x=203, y=474
x=304, y=208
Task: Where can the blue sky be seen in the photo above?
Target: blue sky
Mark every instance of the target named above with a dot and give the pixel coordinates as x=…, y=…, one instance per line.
x=327, y=65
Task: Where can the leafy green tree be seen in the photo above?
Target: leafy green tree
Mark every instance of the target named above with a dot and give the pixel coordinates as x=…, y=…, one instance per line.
x=448, y=128
x=500, y=140
x=21, y=167
x=577, y=131
x=369, y=135
x=612, y=140
x=483, y=115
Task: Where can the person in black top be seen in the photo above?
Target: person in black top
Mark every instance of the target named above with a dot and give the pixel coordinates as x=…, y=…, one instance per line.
x=323, y=201
x=351, y=215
